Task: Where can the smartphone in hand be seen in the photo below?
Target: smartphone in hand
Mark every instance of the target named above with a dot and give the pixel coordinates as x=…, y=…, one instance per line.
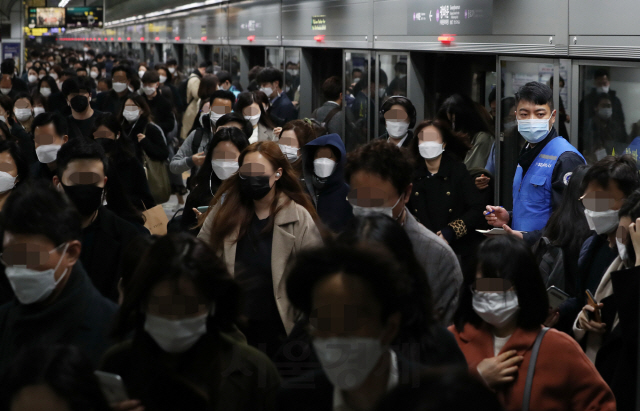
x=112, y=387
x=595, y=316
x=556, y=297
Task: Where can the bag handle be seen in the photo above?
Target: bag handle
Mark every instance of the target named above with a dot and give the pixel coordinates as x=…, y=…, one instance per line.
x=532, y=369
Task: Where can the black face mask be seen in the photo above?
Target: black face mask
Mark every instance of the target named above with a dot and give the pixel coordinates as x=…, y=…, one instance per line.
x=254, y=187
x=108, y=144
x=79, y=103
x=86, y=197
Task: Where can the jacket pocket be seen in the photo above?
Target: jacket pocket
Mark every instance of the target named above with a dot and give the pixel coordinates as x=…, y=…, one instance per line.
x=537, y=192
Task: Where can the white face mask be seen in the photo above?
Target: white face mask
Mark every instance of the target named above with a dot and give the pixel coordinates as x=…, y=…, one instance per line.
x=176, y=336
x=534, y=130
x=119, y=87
x=149, y=90
x=381, y=92
x=323, y=167
x=397, y=129
x=359, y=211
x=602, y=89
x=31, y=286
x=496, y=309
x=348, y=361
x=23, y=114
x=54, y=76
x=214, y=117
x=94, y=74
x=37, y=111
x=293, y=73
x=47, y=154
x=290, y=152
x=224, y=168
x=253, y=119
x=622, y=250
x=131, y=115
x=40, y=76
x=430, y=149
x=162, y=79
x=605, y=113
x=267, y=90
x=85, y=49
x=7, y=182
x=172, y=70
x=32, y=78
x=602, y=222
x=45, y=91
x=5, y=91
x=140, y=73
x=3, y=119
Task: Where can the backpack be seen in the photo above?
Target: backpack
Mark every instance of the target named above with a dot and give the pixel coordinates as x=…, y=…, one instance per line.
x=329, y=116
x=182, y=92
x=550, y=259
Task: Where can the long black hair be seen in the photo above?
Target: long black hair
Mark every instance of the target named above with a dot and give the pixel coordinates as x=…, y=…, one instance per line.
x=122, y=148
x=567, y=227
x=510, y=258
x=173, y=257
x=467, y=117
x=247, y=98
x=63, y=369
x=631, y=208
x=417, y=315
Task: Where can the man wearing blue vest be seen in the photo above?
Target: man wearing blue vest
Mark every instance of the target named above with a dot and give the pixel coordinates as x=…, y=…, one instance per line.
x=544, y=166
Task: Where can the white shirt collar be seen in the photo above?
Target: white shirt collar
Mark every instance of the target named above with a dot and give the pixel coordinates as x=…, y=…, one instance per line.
x=401, y=141
x=338, y=401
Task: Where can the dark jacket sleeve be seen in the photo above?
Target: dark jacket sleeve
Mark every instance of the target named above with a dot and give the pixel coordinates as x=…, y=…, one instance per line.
x=473, y=216
x=25, y=142
x=153, y=144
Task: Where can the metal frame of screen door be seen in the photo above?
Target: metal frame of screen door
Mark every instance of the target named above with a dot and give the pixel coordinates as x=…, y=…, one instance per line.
x=377, y=98
x=277, y=64
x=499, y=116
x=344, y=84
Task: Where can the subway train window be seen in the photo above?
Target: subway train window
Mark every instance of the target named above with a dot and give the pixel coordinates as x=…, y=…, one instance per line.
x=607, y=115
x=234, y=67
x=273, y=57
x=392, y=81
x=190, y=59
x=359, y=89
x=167, y=51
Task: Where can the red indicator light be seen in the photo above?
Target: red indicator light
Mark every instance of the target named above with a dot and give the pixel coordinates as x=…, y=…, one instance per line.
x=119, y=38
x=319, y=38
x=203, y=38
x=251, y=38
x=141, y=38
x=177, y=38
x=446, y=38
x=157, y=38
x=128, y=38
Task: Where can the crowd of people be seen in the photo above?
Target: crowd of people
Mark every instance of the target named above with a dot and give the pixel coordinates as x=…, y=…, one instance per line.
x=302, y=274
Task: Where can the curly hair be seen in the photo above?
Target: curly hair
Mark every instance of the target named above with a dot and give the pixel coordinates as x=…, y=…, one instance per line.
x=384, y=159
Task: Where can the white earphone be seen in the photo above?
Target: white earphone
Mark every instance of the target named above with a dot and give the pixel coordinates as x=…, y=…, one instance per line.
x=277, y=174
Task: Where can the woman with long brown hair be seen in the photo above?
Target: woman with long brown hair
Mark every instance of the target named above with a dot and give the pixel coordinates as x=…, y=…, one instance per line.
x=258, y=218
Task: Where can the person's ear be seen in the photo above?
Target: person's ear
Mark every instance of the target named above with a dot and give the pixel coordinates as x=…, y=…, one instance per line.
x=407, y=193
x=73, y=253
x=65, y=138
x=553, y=118
x=56, y=181
x=278, y=174
x=391, y=329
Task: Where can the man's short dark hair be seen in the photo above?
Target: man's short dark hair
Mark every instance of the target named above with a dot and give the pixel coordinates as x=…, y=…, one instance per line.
x=269, y=75
x=172, y=62
x=75, y=85
x=224, y=95
x=204, y=64
x=123, y=69
x=401, y=67
x=68, y=72
x=536, y=93
x=59, y=122
x=36, y=208
x=224, y=76
x=150, y=76
x=621, y=169
x=81, y=69
x=247, y=127
x=601, y=72
x=8, y=66
x=332, y=88
x=79, y=149
x=383, y=159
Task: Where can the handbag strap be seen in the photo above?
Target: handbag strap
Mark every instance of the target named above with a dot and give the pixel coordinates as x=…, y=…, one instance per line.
x=532, y=369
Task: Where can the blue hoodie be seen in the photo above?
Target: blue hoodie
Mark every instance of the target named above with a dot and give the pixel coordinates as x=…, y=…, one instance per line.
x=330, y=200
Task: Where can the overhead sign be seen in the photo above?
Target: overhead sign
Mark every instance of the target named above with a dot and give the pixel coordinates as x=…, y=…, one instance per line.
x=46, y=17
x=85, y=17
x=319, y=23
x=434, y=17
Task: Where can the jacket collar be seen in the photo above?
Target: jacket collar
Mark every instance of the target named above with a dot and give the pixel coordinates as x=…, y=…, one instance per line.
x=521, y=340
x=446, y=167
x=288, y=213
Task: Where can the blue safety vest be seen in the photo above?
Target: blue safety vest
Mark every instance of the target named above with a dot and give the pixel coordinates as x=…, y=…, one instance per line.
x=532, y=194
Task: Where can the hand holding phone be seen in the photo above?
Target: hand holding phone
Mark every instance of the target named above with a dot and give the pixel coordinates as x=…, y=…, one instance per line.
x=556, y=297
x=595, y=316
x=112, y=387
